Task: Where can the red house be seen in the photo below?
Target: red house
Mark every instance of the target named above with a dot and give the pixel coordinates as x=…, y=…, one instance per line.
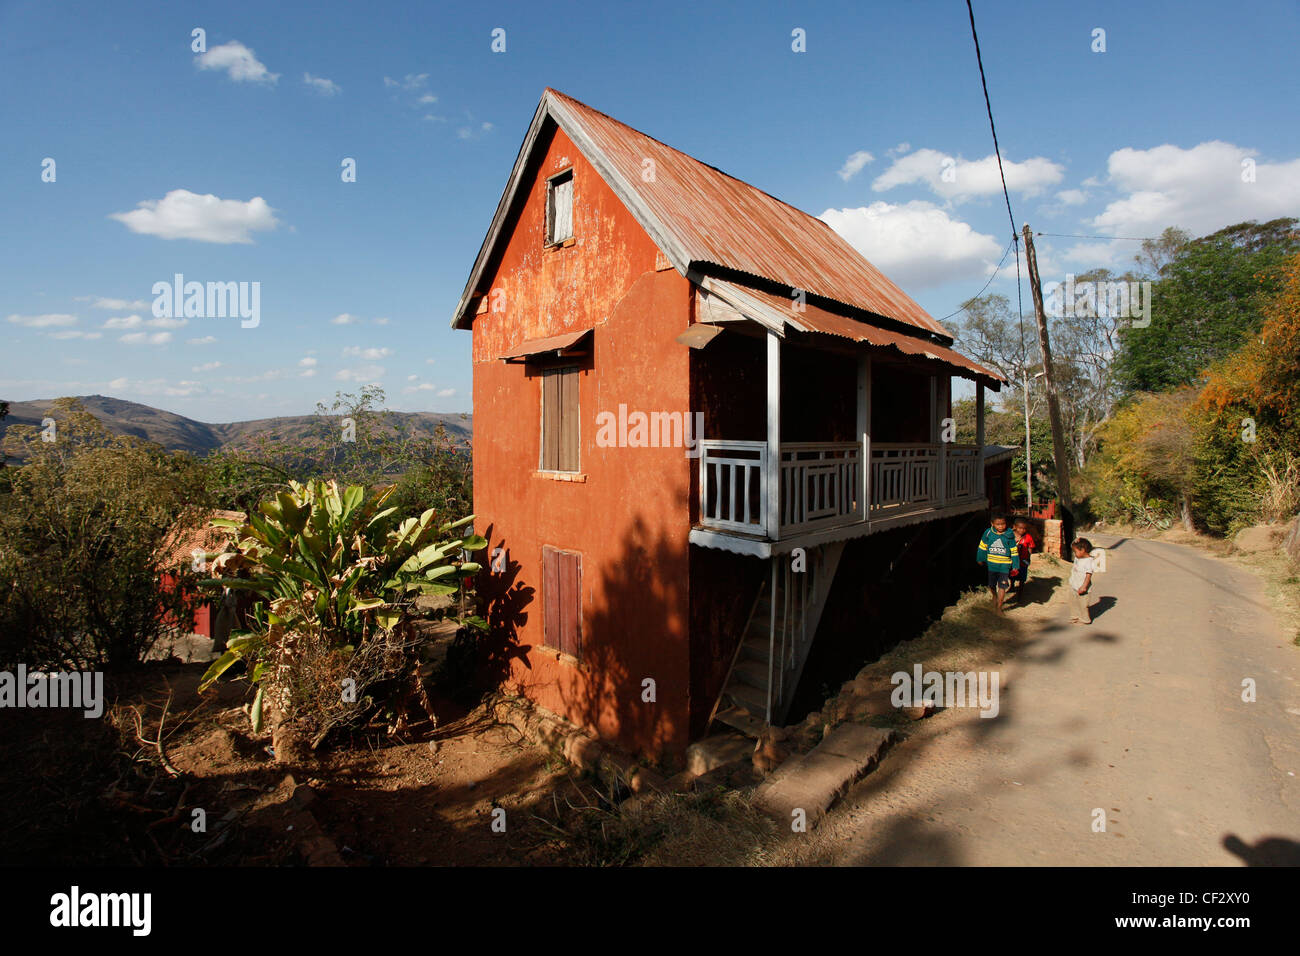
x=702, y=420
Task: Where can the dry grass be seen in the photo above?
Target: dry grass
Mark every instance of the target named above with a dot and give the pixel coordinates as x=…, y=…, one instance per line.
x=970, y=633
x=1281, y=579
x=713, y=828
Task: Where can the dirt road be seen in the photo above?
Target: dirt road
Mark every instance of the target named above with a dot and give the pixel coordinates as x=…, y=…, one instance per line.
x=1140, y=715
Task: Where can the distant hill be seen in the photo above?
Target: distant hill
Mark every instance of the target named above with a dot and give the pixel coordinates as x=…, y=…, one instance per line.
x=178, y=433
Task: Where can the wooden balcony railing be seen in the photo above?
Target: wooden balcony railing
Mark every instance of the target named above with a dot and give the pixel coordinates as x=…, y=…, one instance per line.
x=821, y=482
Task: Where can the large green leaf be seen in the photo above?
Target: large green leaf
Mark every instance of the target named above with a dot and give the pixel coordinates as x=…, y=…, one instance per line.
x=219, y=667
x=255, y=715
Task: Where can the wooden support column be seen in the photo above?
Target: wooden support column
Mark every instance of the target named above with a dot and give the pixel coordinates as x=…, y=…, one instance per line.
x=979, y=435
x=864, y=436
x=772, y=500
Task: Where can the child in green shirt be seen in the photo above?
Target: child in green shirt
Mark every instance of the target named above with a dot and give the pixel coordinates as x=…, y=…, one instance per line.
x=998, y=552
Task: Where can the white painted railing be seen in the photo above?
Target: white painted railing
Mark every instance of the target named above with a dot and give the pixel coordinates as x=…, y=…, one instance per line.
x=907, y=475
x=733, y=485
x=820, y=482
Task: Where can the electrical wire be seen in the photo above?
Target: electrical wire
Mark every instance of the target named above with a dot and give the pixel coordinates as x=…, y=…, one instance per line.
x=1005, y=253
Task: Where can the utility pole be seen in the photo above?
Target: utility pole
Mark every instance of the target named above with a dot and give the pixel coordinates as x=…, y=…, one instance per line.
x=1029, y=460
x=1053, y=402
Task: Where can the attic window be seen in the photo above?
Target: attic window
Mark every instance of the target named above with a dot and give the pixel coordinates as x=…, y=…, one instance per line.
x=559, y=208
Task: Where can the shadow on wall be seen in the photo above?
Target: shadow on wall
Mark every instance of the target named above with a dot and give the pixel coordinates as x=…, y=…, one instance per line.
x=635, y=645
x=630, y=683
x=506, y=602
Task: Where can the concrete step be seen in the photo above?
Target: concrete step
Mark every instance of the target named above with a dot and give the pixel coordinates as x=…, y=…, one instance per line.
x=813, y=782
x=717, y=750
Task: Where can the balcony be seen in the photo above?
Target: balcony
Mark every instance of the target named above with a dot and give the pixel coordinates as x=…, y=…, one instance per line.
x=822, y=488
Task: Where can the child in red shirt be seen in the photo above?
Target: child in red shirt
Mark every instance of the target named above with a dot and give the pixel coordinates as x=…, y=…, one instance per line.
x=1024, y=547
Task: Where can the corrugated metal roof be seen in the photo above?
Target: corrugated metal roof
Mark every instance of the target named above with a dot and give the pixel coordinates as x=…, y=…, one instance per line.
x=715, y=218
x=811, y=318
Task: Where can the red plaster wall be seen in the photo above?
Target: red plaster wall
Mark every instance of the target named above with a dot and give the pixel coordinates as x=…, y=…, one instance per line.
x=628, y=517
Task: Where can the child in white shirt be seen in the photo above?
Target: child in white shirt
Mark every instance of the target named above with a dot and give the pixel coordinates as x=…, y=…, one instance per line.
x=1080, y=581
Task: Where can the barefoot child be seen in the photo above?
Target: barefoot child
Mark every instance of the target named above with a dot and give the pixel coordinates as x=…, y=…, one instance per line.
x=997, y=551
x=1024, y=548
x=1080, y=581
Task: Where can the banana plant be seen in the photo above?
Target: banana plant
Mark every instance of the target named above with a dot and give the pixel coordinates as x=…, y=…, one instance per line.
x=338, y=564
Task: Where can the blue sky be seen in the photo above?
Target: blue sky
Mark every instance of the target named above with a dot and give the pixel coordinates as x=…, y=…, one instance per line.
x=860, y=128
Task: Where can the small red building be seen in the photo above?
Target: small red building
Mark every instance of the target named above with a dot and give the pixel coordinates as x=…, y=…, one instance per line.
x=186, y=545
x=700, y=419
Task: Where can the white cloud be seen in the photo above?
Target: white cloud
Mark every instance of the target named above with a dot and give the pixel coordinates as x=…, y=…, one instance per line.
x=146, y=338
x=43, y=321
x=364, y=373
x=422, y=387
x=410, y=83
x=75, y=334
x=344, y=318
x=1072, y=197
x=307, y=362
x=470, y=132
x=322, y=85
x=446, y=393
x=429, y=361
x=854, y=164
x=916, y=244
x=163, y=322
x=205, y=340
x=1199, y=189
x=182, y=214
x=156, y=386
x=412, y=378
x=206, y=367
x=381, y=321
x=115, y=305
x=307, y=373
x=124, y=322
x=239, y=62
x=426, y=100
x=958, y=179
x=369, y=354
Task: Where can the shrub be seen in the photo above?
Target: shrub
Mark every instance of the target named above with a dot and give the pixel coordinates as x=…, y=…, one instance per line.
x=339, y=575
x=82, y=528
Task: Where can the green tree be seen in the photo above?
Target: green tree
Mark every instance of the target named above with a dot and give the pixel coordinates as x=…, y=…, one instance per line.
x=1206, y=302
x=84, y=526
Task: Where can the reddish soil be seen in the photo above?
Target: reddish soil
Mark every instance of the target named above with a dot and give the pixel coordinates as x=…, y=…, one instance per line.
x=80, y=792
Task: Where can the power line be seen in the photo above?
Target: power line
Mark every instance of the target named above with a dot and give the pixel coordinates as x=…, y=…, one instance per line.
x=989, y=107
x=1066, y=235
x=987, y=284
x=1015, y=241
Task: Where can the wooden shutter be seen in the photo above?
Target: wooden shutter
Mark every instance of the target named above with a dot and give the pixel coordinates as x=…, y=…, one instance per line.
x=562, y=600
x=560, y=419
x=559, y=212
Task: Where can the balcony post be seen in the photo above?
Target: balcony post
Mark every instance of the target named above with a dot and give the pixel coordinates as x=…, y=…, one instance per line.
x=979, y=438
x=772, y=480
x=864, y=436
